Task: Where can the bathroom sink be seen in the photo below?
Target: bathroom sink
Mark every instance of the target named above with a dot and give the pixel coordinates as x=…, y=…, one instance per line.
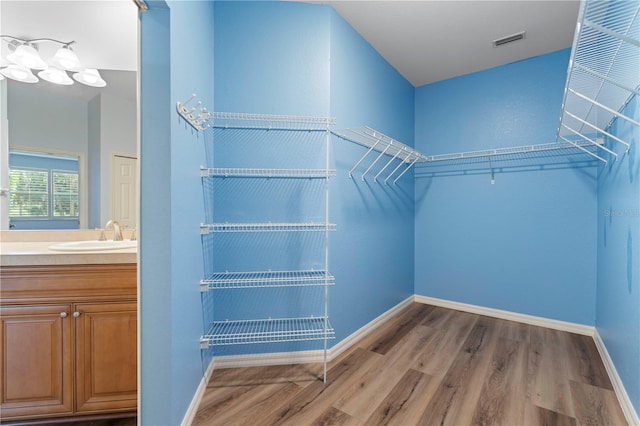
x=94, y=245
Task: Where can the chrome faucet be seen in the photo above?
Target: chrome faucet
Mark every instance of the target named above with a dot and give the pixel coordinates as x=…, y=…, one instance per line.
x=117, y=232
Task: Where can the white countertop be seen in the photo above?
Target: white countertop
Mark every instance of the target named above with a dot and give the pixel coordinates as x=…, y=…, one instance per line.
x=19, y=253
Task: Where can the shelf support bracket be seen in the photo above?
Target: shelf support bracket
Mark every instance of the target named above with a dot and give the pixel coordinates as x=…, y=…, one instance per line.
x=375, y=161
x=583, y=149
x=606, y=108
x=598, y=129
x=395, y=170
x=604, y=148
x=405, y=170
x=375, y=178
x=362, y=159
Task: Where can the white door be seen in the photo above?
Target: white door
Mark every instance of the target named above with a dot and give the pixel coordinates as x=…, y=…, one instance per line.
x=124, y=190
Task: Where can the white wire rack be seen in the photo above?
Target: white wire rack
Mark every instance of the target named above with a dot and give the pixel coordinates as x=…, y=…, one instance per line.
x=196, y=116
x=267, y=331
x=266, y=227
x=511, y=151
x=265, y=279
x=268, y=173
x=235, y=120
x=604, y=72
x=403, y=155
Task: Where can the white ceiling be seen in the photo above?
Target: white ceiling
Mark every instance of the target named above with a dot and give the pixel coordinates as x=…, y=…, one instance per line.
x=105, y=31
x=429, y=40
x=425, y=40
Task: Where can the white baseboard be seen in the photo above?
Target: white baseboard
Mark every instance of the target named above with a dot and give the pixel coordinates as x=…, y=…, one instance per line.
x=586, y=330
x=363, y=331
x=623, y=398
x=190, y=415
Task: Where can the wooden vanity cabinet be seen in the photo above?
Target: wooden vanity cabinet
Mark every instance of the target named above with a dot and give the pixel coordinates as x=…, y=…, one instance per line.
x=68, y=341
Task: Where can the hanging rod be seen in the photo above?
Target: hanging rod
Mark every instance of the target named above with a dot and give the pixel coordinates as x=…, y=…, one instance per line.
x=383, y=145
x=604, y=72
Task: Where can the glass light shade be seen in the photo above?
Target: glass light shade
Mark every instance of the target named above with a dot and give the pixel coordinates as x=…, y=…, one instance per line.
x=90, y=77
x=28, y=57
x=66, y=59
x=18, y=73
x=56, y=76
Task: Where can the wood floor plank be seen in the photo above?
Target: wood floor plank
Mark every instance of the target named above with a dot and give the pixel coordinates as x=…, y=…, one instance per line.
x=371, y=388
x=249, y=405
x=551, y=388
x=535, y=415
x=334, y=417
x=595, y=406
x=516, y=331
x=439, y=352
x=405, y=403
x=407, y=321
x=457, y=395
x=503, y=396
x=581, y=365
x=441, y=367
x=316, y=398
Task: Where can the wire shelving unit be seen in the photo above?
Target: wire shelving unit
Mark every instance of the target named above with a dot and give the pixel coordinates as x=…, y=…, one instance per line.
x=234, y=120
x=266, y=279
x=267, y=331
x=266, y=227
x=603, y=74
x=267, y=173
x=268, y=131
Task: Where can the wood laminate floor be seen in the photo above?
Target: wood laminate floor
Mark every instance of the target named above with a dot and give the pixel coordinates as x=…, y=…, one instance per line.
x=428, y=366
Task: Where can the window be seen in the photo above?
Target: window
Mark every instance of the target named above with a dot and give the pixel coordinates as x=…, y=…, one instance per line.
x=44, y=189
x=29, y=196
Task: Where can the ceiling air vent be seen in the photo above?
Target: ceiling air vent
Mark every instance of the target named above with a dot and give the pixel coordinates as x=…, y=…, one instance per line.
x=508, y=39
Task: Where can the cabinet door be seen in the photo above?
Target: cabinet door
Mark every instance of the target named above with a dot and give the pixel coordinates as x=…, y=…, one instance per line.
x=106, y=356
x=36, y=359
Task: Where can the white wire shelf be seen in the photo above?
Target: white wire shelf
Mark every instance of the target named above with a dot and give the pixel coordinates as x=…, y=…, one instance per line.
x=266, y=227
x=383, y=145
x=263, y=279
x=236, y=120
x=267, y=331
x=510, y=151
x=268, y=173
x=604, y=73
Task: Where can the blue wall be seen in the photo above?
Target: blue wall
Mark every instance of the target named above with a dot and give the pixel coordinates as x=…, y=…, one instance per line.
x=618, y=294
x=305, y=60
x=372, y=251
x=525, y=244
x=177, y=60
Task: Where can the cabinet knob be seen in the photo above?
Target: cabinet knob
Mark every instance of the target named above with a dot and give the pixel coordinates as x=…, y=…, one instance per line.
x=63, y=314
x=76, y=314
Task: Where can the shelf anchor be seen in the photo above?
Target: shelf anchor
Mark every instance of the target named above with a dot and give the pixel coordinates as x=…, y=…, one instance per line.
x=493, y=180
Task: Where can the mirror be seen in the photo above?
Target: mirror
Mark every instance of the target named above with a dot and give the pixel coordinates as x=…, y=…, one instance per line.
x=97, y=126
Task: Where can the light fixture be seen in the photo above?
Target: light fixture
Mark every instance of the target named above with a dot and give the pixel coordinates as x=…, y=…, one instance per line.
x=19, y=73
x=56, y=76
x=25, y=57
x=90, y=77
x=66, y=59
